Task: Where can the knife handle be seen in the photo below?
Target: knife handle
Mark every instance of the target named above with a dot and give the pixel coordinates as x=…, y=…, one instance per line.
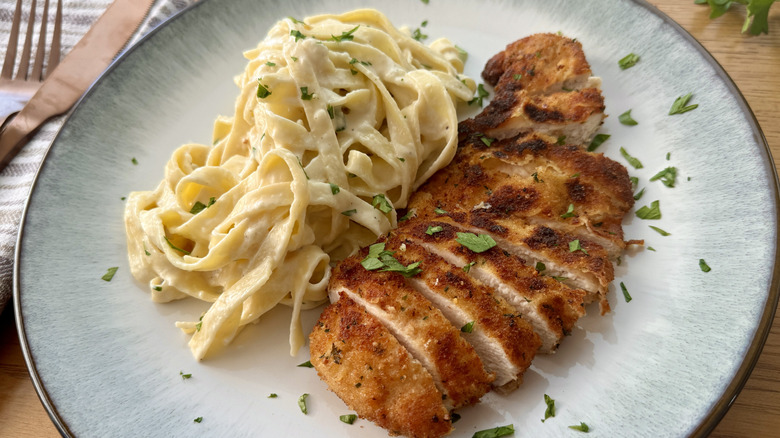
x=14, y=134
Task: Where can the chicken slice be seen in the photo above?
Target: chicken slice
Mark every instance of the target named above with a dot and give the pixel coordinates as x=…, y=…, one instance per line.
x=576, y=262
x=551, y=307
x=542, y=83
x=419, y=326
x=538, y=181
x=363, y=363
x=505, y=342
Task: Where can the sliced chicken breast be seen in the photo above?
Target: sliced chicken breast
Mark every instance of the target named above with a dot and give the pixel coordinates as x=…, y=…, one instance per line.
x=419, y=326
x=505, y=342
x=363, y=363
x=551, y=307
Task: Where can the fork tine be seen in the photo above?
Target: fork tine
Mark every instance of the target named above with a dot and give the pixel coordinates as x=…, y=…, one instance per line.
x=54, y=51
x=40, y=52
x=24, y=63
x=13, y=39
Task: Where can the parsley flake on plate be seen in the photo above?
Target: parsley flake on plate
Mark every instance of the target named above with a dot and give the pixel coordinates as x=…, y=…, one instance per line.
x=495, y=432
x=628, y=61
x=349, y=419
x=680, y=105
x=582, y=427
x=631, y=160
x=650, y=213
x=302, y=403
x=550, y=411
x=345, y=36
x=626, y=295
x=110, y=273
x=626, y=119
x=660, y=231
x=306, y=364
x=704, y=266
x=468, y=327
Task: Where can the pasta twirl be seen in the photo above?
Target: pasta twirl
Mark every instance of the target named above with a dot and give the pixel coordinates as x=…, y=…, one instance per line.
x=339, y=119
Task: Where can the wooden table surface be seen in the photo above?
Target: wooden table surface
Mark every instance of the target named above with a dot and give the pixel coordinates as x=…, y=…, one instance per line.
x=753, y=63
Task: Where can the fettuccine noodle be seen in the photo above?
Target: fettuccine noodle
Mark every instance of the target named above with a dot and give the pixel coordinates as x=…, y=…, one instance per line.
x=339, y=119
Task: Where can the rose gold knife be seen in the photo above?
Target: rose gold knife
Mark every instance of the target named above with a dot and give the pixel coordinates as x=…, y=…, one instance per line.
x=77, y=71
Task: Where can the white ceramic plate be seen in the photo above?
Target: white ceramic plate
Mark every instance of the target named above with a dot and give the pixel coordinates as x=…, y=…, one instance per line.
x=107, y=361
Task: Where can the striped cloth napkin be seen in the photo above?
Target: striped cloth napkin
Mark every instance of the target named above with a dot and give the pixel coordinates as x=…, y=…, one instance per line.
x=17, y=177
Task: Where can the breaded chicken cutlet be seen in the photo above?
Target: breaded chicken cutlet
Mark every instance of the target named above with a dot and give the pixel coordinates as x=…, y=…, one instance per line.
x=504, y=248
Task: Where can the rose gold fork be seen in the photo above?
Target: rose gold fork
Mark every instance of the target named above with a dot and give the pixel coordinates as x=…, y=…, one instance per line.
x=16, y=91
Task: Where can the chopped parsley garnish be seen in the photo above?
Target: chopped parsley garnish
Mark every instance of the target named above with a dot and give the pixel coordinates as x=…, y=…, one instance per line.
x=110, y=273
x=561, y=140
x=134, y=161
x=432, y=230
x=295, y=59
x=639, y=194
x=680, y=105
x=481, y=94
x=440, y=211
x=660, y=231
x=199, y=206
x=667, y=176
x=295, y=20
x=349, y=212
x=123, y=198
x=582, y=427
x=597, y=141
x=401, y=159
x=345, y=36
x=270, y=64
x=652, y=212
x=536, y=178
x=631, y=160
x=540, y=267
x=409, y=214
x=175, y=247
x=517, y=76
x=468, y=327
x=569, y=212
x=634, y=182
x=157, y=288
x=467, y=267
x=550, y=411
x=331, y=113
x=462, y=54
x=628, y=61
x=626, y=119
x=379, y=258
x=704, y=266
x=650, y=248
x=297, y=34
x=477, y=243
x=349, y=419
x=495, y=432
x=306, y=364
x=198, y=420
x=334, y=189
x=302, y=403
x=417, y=33
x=574, y=245
x=424, y=1
x=185, y=376
x=381, y=203
x=559, y=278
x=626, y=295
x=487, y=141
x=668, y=156
x=272, y=395
x=305, y=94
x=146, y=251
x=262, y=90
